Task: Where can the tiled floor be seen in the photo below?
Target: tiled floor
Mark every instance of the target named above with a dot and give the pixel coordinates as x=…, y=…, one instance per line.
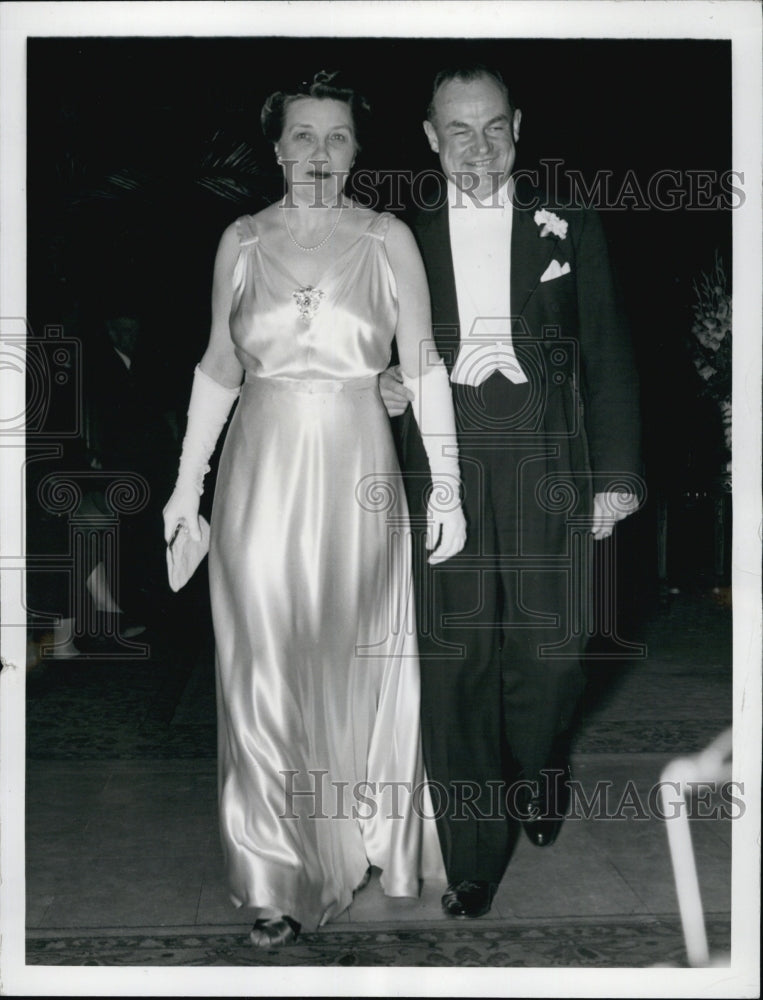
x=129, y=840
x=134, y=844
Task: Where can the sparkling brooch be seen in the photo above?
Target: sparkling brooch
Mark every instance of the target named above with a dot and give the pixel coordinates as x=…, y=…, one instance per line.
x=308, y=299
x=551, y=223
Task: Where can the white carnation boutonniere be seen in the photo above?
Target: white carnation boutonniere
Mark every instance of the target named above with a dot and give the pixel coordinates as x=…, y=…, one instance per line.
x=551, y=223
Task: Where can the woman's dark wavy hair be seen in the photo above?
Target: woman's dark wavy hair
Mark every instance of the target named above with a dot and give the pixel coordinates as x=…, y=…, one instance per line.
x=324, y=85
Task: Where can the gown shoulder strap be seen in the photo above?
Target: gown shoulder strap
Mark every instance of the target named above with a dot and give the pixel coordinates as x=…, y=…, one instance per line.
x=247, y=231
x=380, y=225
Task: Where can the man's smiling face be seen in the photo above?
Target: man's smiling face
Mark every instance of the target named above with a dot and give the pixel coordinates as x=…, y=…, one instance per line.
x=474, y=132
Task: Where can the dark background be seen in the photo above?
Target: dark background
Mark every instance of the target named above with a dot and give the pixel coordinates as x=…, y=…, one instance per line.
x=141, y=151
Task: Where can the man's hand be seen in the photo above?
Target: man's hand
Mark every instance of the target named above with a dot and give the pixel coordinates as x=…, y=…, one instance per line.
x=608, y=509
x=394, y=394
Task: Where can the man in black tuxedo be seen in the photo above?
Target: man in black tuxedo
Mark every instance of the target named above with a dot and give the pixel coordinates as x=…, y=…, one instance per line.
x=526, y=318
x=131, y=430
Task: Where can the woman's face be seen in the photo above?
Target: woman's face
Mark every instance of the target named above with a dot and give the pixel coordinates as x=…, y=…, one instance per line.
x=317, y=147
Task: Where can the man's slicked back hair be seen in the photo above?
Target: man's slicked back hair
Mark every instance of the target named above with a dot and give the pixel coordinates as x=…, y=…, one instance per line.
x=467, y=73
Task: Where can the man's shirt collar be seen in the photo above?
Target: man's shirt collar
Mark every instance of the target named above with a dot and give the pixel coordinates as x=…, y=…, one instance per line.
x=460, y=199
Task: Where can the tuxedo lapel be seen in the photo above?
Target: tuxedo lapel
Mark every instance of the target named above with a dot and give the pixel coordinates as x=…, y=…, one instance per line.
x=433, y=232
x=530, y=256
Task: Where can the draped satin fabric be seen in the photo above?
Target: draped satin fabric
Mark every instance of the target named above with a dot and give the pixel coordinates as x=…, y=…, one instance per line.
x=320, y=768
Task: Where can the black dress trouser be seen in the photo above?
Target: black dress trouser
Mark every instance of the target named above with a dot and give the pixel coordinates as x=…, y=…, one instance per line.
x=500, y=654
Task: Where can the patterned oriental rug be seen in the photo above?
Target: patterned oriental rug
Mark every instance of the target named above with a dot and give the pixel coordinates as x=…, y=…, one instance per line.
x=596, y=944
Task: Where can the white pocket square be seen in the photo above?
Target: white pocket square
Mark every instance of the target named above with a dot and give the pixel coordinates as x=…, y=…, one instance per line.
x=555, y=270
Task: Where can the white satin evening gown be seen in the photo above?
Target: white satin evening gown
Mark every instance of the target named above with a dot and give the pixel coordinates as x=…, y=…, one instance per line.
x=320, y=767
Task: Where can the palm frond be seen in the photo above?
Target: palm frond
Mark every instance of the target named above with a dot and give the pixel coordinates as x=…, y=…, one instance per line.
x=229, y=188
x=225, y=153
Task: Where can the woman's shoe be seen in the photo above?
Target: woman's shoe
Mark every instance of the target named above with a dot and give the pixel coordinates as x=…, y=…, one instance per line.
x=59, y=644
x=275, y=932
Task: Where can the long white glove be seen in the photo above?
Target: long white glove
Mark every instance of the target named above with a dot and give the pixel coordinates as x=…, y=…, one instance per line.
x=207, y=412
x=433, y=409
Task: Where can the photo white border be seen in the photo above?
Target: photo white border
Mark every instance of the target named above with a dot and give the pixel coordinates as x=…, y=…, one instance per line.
x=738, y=20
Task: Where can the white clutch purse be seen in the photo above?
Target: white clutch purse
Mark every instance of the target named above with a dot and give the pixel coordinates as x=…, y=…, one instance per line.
x=184, y=554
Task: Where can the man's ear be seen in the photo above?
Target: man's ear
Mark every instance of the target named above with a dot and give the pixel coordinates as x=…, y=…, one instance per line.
x=434, y=145
x=516, y=122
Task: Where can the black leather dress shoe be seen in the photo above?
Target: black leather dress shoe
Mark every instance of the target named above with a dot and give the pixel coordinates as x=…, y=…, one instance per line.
x=542, y=815
x=468, y=899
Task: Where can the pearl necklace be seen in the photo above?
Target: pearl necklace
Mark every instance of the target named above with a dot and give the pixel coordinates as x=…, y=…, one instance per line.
x=317, y=245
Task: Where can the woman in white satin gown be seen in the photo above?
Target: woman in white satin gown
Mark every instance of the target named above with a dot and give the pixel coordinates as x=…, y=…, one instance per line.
x=320, y=767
